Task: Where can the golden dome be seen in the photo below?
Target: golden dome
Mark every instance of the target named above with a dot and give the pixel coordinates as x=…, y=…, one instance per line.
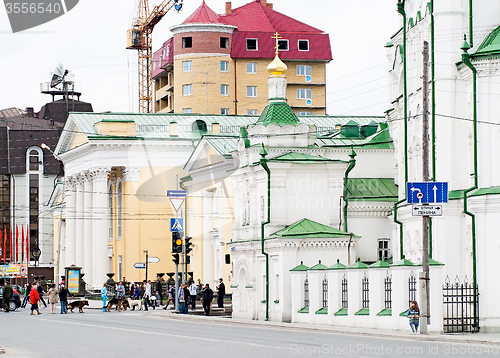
x=277, y=67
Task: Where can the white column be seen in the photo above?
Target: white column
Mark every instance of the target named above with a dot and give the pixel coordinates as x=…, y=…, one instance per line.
x=79, y=220
x=87, y=228
x=70, y=188
x=208, y=247
x=99, y=227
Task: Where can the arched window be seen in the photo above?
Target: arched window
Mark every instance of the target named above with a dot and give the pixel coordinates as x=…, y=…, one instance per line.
x=35, y=160
x=110, y=212
x=199, y=128
x=119, y=203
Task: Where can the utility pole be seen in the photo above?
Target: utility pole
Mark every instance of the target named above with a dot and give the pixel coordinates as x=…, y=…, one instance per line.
x=147, y=259
x=424, y=276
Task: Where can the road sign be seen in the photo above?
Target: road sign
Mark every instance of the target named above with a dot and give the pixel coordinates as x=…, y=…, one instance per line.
x=152, y=259
x=140, y=265
x=176, y=193
x=427, y=192
x=427, y=210
x=176, y=224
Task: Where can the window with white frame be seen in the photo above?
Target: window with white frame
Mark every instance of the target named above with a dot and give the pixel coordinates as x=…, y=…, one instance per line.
x=384, y=252
x=224, y=66
x=252, y=45
x=187, y=66
x=303, y=45
x=119, y=209
x=304, y=93
x=282, y=45
x=303, y=70
x=224, y=111
x=251, y=112
x=187, y=90
x=224, y=90
x=187, y=110
x=252, y=67
x=251, y=91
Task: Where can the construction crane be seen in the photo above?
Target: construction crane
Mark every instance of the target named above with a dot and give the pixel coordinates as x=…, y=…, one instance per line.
x=139, y=38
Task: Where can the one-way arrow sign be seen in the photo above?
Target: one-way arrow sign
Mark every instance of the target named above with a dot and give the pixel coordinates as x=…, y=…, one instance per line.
x=140, y=265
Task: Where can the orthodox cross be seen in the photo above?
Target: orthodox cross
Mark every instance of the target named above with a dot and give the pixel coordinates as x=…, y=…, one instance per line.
x=276, y=37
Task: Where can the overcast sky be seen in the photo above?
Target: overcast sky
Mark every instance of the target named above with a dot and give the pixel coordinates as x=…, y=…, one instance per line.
x=90, y=42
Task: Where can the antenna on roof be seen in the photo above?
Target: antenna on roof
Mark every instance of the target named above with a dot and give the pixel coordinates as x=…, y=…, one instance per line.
x=58, y=76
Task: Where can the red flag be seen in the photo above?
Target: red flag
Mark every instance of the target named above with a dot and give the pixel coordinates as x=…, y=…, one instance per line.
x=22, y=245
x=4, y=244
x=1, y=245
x=17, y=245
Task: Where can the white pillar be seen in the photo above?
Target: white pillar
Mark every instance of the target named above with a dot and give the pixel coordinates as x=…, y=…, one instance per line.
x=208, y=246
x=70, y=189
x=87, y=228
x=79, y=220
x=99, y=227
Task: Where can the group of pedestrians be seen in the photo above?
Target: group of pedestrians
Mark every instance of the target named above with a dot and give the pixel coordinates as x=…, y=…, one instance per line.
x=34, y=295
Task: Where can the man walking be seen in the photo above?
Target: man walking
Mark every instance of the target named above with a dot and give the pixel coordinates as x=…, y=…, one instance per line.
x=193, y=291
x=40, y=291
x=222, y=291
x=63, y=298
x=159, y=289
x=207, y=297
x=120, y=291
x=7, y=296
x=147, y=294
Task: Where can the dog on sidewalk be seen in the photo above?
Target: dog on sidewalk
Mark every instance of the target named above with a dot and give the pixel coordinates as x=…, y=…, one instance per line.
x=79, y=303
x=135, y=303
x=119, y=303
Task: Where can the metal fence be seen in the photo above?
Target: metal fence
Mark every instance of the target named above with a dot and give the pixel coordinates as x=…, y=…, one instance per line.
x=412, y=288
x=461, y=306
x=365, y=286
x=325, y=293
x=306, y=292
x=388, y=291
x=344, y=292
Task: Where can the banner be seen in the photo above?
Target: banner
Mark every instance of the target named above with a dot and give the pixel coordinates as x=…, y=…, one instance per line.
x=14, y=271
x=73, y=280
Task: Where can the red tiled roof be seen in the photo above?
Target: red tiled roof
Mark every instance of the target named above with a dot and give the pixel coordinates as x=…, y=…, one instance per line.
x=255, y=17
x=203, y=15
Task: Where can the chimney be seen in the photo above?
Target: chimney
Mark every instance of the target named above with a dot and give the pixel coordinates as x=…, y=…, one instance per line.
x=215, y=128
x=228, y=8
x=269, y=6
x=30, y=111
x=263, y=3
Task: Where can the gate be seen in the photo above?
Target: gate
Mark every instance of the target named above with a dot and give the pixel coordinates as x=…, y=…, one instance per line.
x=461, y=306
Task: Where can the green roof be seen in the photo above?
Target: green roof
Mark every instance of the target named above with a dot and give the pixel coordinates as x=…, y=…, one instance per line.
x=337, y=266
x=358, y=265
x=381, y=139
x=319, y=266
x=432, y=262
x=278, y=113
x=302, y=158
x=308, y=228
x=403, y=262
x=301, y=267
x=490, y=45
x=374, y=189
x=379, y=264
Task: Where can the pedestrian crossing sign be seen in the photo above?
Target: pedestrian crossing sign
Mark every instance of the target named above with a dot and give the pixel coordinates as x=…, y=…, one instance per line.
x=176, y=224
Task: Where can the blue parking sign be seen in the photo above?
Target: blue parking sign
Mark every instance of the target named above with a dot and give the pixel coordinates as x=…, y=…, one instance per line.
x=426, y=192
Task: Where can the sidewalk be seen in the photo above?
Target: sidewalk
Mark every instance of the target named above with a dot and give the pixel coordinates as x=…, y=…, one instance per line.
x=457, y=338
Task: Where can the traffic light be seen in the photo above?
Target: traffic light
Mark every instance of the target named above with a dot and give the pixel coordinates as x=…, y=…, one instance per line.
x=175, y=258
x=188, y=260
x=176, y=242
x=188, y=244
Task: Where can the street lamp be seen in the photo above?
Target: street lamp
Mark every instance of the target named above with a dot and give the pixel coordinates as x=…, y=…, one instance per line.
x=45, y=146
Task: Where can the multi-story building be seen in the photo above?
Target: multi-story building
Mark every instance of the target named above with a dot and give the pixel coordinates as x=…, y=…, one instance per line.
x=216, y=64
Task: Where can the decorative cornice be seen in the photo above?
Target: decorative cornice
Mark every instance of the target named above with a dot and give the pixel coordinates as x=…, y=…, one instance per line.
x=131, y=174
x=183, y=28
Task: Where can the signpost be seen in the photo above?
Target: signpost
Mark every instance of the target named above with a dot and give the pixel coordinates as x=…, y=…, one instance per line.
x=140, y=265
x=176, y=224
x=152, y=259
x=427, y=210
x=427, y=192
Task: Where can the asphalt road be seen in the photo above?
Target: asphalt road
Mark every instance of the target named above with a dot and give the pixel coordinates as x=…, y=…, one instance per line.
x=151, y=334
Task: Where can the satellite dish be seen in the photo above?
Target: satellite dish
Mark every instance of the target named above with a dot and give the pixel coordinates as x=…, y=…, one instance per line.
x=58, y=75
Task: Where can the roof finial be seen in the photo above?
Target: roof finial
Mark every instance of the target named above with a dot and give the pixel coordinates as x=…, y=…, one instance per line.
x=276, y=37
